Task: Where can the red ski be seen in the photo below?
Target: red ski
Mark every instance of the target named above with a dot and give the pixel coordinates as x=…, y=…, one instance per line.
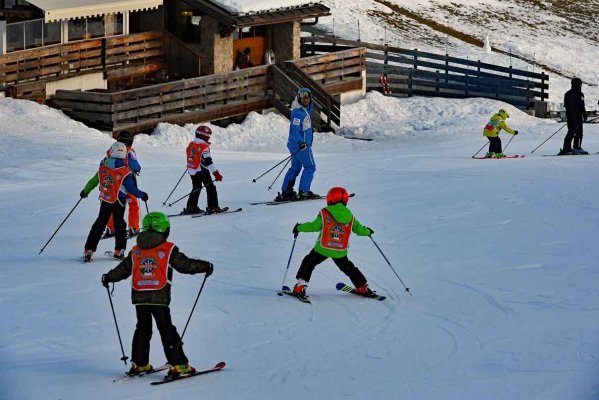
x=493, y=158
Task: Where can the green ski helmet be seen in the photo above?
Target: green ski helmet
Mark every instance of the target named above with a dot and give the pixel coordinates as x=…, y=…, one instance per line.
x=502, y=113
x=156, y=221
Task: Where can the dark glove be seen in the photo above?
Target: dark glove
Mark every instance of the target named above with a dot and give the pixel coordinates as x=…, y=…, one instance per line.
x=83, y=194
x=516, y=132
x=209, y=269
x=218, y=176
x=145, y=197
x=295, y=231
x=105, y=281
x=303, y=145
x=371, y=231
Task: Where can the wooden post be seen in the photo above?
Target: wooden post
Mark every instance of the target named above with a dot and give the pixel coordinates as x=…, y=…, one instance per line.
x=446, y=67
x=466, y=85
x=437, y=82
x=410, y=83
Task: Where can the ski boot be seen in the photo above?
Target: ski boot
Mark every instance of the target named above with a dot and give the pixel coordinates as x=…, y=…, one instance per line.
x=132, y=232
x=579, y=150
x=490, y=154
x=181, y=369
x=190, y=211
x=213, y=210
x=307, y=195
x=499, y=155
x=286, y=195
x=108, y=233
x=365, y=291
x=119, y=254
x=565, y=152
x=87, y=256
x=137, y=370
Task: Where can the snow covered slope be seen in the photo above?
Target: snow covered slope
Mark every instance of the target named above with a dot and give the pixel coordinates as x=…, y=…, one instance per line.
x=560, y=37
x=500, y=256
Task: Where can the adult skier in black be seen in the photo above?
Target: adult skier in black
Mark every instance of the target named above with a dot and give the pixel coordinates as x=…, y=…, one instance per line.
x=576, y=114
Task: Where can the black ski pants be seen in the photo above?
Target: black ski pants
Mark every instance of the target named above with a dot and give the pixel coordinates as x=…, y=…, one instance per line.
x=198, y=180
x=494, y=144
x=574, y=132
x=171, y=341
x=343, y=263
x=117, y=210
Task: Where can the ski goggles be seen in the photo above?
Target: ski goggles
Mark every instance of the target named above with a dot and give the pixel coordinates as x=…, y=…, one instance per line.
x=304, y=95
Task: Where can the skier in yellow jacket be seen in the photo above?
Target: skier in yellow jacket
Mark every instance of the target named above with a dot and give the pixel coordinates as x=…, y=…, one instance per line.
x=491, y=131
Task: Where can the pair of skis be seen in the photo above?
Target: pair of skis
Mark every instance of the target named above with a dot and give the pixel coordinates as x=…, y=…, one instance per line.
x=274, y=203
x=224, y=210
x=168, y=379
x=340, y=286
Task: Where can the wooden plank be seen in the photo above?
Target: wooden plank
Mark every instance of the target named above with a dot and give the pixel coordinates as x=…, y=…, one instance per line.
x=78, y=95
x=196, y=116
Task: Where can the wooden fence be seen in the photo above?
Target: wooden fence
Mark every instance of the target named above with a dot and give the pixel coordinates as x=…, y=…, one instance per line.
x=411, y=72
x=204, y=98
x=23, y=74
x=215, y=97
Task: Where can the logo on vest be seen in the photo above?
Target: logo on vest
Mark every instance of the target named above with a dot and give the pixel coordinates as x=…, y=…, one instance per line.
x=161, y=254
x=335, y=234
x=147, y=266
x=107, y=182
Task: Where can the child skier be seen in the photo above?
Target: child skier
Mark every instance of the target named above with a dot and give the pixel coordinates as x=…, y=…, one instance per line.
x=491, y=131
x=199, y=167
x=335, y=224
x=149, y=264
x=126, y=138
x=115, y=180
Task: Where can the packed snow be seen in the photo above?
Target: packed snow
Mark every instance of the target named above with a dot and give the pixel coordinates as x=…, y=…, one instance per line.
x=499, y=255
x=254, y=6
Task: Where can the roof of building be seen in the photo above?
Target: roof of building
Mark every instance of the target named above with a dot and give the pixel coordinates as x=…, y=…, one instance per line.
x=266, y=16
x=56, y=10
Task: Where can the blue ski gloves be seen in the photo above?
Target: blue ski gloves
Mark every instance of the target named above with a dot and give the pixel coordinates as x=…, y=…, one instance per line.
x=295, y=231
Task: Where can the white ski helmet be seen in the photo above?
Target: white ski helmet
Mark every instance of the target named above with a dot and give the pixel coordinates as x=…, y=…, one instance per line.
x=118, y=150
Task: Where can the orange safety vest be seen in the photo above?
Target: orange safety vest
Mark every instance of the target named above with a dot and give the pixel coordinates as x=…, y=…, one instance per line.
x=334, y=235
x=150, y=267
x=111, y=180
x=194, y=154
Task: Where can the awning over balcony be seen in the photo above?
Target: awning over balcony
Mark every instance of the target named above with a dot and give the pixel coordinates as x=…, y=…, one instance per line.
x=56, y=10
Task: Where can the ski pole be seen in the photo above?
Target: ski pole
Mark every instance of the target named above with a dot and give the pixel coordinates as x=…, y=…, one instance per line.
x=509, y=141
x=124, y=357
x=282, y=169
x=392, y=269
x=179, y=181
x=479, y=150
x=280, y=293
x=193, y=308
x=147, y=210
x=63, y=221
x=190, y=193
x=276, y=165
x=549, y=138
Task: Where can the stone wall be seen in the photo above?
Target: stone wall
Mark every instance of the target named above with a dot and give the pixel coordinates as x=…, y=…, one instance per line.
x=217, y=51
x=286, y=41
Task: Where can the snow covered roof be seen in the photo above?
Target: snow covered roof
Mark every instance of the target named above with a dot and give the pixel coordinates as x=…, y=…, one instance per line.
x=257, y=6
x=259, y=13
x=56, y=10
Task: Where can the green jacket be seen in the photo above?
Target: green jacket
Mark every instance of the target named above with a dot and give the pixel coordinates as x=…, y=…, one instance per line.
x=341, y=214
x=179, y=261
x=495, y=125
x=91, y=184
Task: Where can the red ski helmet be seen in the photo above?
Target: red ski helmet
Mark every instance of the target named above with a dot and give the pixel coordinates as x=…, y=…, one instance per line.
x=203, y=132
x=337, y=195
